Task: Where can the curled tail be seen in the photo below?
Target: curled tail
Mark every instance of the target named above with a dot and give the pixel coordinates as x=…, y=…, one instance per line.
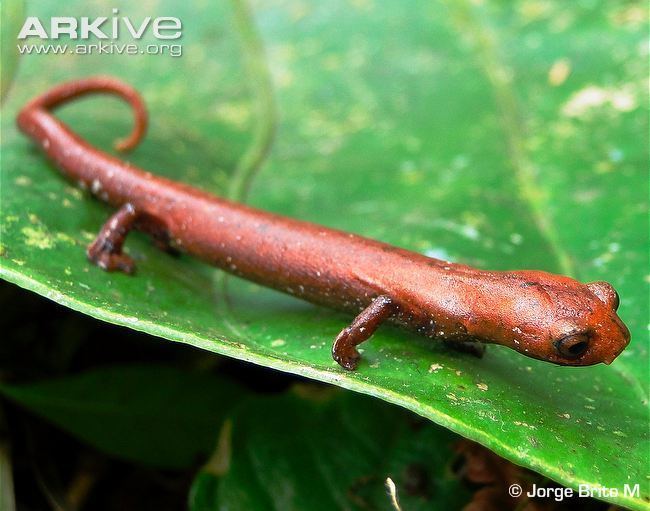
x=65, y=92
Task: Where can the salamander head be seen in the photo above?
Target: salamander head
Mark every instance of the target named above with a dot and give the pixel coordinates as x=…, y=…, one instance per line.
x=581, y=326
x=597, y=336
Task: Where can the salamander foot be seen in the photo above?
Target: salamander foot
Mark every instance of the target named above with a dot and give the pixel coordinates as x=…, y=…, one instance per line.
x=106, y=250
x=344, y=349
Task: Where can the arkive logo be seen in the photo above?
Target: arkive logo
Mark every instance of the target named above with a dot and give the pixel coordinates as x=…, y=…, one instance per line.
x=102, y=35
x=102, y=27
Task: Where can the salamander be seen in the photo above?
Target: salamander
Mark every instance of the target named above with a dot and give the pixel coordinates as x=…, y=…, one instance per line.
x=542, y=315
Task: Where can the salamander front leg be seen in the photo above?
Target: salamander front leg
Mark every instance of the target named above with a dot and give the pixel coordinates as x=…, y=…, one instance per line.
x=106, y=250
x=472, y=347
x=364, y=325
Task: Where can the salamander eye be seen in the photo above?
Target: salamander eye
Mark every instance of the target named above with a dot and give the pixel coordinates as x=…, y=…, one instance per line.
x=605, y=293
x=572, y=346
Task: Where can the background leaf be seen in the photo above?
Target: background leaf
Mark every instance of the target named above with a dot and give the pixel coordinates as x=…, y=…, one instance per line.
x=504, y=135
x=331, y=453
x=7, y=500
x=153, y=414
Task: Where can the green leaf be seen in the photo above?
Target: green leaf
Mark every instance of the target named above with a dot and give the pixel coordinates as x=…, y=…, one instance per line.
x=291, y=453
x=502, y=135
x=155, y=415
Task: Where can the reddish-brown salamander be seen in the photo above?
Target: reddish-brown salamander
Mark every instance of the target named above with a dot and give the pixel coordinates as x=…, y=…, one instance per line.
x=545, y=316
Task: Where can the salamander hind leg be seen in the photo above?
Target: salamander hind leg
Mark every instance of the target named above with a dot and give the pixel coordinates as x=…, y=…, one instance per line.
x=106, y=250
x=344, y=349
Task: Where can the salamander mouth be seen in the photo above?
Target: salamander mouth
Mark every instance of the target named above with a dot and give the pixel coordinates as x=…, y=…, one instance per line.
x=582, y=361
